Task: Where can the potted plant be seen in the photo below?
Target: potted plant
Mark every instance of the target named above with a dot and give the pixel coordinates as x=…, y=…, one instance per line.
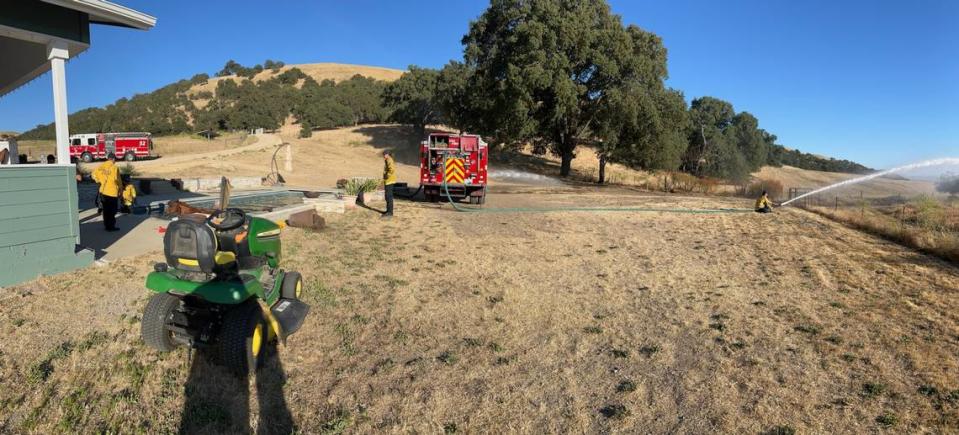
x=354, y=189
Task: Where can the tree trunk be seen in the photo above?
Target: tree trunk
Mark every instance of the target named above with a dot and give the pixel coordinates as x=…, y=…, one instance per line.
x=566, y=153
x=567, y=162
x=602, y=169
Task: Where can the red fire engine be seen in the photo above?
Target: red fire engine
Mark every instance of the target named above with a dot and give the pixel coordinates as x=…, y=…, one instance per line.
x=126, y=146
x=465, y=156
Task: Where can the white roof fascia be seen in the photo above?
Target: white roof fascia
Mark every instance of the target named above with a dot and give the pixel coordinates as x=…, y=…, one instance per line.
x=110, y=13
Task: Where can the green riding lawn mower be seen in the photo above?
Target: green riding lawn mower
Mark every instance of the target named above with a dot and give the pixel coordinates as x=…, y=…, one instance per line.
x=221, y=290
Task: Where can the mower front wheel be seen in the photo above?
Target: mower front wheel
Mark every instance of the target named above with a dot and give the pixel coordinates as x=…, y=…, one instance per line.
x=292, y=286
x=155, y=317
x=243, y=338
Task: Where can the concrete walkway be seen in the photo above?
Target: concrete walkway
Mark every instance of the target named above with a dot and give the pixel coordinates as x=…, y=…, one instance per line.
x=138, y=234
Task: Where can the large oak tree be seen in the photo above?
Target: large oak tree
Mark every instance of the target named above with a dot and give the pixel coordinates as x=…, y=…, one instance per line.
x=543, y=69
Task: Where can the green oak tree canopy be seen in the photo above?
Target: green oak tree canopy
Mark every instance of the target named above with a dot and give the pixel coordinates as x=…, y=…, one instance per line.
x=543, y=69
x=412, y=98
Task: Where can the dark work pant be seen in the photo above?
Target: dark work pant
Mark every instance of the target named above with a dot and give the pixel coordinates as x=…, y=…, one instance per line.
x=765, y=209
x=388, y=193
x=109, y=211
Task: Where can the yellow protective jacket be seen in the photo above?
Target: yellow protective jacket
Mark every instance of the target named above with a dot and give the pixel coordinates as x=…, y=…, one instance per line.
x=129, y=194
x=763, y=202
x=389, y=171
x=107, y=175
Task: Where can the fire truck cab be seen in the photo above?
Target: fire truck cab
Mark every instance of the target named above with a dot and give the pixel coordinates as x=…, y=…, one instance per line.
x=127, y=146
x=458, y=161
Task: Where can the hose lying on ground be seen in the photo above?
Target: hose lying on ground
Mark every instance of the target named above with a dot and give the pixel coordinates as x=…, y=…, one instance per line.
x=460, y=208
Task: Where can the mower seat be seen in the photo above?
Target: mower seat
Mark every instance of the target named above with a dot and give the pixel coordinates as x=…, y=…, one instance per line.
x=191, y=245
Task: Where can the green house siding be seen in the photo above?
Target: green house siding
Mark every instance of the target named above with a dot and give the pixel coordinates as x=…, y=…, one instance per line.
x=39, y=223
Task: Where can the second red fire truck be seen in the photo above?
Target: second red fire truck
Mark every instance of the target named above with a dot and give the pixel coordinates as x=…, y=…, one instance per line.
x=126, y=146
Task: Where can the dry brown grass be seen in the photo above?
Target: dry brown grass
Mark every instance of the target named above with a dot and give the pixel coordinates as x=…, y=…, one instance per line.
x=191, y=144
x=928, y=224
x=559, y=322
x=318, y=161
x=773, y=187
x=36, y=149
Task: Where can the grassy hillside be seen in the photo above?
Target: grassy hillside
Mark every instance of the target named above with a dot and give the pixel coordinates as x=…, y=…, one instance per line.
x=267, y=99
x=318, y=71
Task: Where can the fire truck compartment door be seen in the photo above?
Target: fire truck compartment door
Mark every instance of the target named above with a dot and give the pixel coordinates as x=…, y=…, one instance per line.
x=469, y=144
x=111, y=145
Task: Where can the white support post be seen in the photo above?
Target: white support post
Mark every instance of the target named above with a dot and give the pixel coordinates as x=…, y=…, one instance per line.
x=289, y=158
x=58, y=54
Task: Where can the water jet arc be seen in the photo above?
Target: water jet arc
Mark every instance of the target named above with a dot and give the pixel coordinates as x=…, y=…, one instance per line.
x=924, y=164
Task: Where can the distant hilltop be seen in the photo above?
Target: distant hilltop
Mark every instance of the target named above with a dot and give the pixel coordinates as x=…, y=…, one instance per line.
x=239, y=97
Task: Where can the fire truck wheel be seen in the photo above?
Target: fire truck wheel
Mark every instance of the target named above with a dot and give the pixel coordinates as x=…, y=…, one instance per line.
x=474, y=200
x=129, y=156
x=86, y=157
x=482, y=199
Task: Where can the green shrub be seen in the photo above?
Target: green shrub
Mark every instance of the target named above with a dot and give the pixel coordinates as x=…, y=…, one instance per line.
x=356, y=185
x=129, y=169
x=306, y=130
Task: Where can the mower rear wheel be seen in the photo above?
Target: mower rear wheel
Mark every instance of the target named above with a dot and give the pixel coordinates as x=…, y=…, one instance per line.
x=243, y=338
x=292, y=286
x=153, y=326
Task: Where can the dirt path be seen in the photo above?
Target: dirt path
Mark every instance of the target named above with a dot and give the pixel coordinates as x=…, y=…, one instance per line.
x=530, y=323
x=178, y=163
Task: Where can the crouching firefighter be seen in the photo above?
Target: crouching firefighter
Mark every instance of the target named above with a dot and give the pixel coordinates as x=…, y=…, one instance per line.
x=763, y=204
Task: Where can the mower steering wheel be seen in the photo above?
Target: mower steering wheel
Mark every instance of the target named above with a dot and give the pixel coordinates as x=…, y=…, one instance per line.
x=226, y=220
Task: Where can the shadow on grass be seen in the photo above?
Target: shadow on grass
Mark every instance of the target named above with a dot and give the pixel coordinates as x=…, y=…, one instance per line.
x=217, y=401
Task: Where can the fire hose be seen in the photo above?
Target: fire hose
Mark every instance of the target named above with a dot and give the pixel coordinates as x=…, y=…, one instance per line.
x=460, y=208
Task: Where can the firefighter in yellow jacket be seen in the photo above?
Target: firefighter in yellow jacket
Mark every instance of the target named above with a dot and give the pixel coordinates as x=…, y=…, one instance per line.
x=389, y=179
x=129, y=195
x=107, y=175
x=763, y=204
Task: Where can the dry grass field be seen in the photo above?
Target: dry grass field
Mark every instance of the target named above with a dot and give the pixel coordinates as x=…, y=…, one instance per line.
x=528, y=323
x=927, y=223
x=440, y=321
x=319, y=161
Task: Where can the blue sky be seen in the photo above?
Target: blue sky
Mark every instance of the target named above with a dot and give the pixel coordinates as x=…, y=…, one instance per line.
x=872, y=81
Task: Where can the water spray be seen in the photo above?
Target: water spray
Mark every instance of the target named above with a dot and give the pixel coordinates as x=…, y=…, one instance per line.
x=925, y=164
x=459, y=208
